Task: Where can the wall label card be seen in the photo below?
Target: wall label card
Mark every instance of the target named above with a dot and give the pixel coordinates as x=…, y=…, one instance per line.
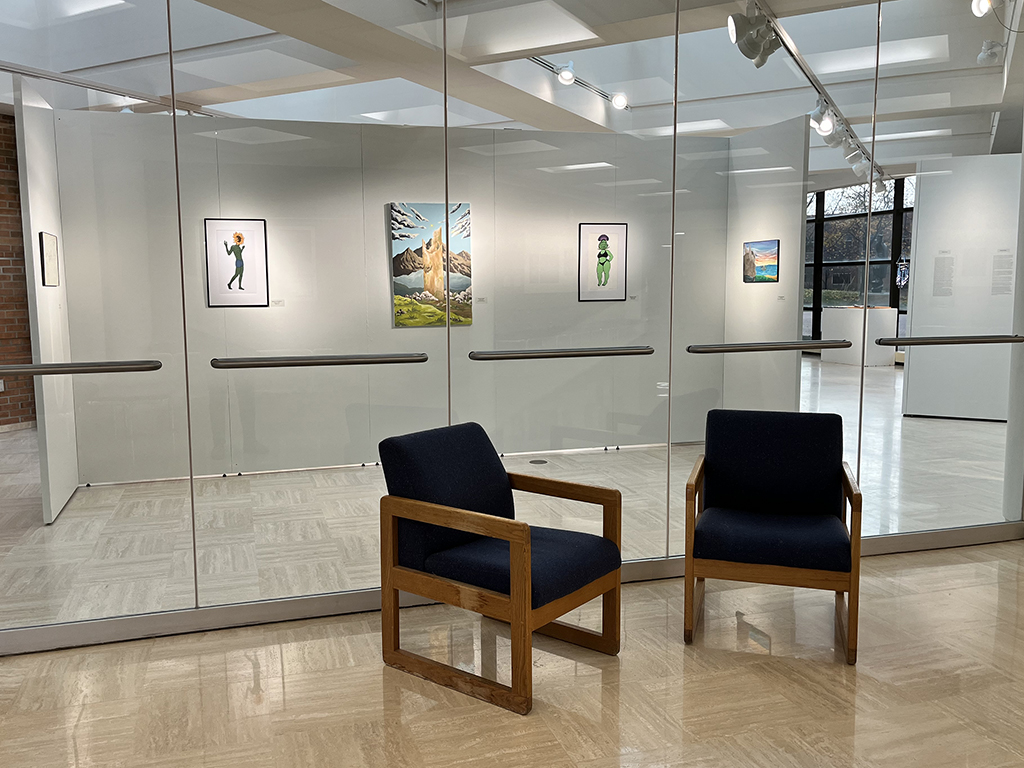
x=761, y=261
x=418, y=258
x=602, y=262
x=48, y=250
x=236, y=263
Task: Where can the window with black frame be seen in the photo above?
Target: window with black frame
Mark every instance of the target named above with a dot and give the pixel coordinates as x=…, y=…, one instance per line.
x=834, y=274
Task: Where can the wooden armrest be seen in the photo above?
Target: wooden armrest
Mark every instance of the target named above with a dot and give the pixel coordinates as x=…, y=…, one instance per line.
x=696, y=477
x=851, y=490
x=609, y=498
x=562, y=489
x=493, y=526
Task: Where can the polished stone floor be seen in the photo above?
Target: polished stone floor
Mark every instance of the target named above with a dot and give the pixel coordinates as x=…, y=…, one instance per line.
x=938, y=684
x=126, y=549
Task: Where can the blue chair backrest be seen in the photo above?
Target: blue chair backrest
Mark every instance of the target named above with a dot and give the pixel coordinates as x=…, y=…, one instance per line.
x=456, y=466
x=788, y=463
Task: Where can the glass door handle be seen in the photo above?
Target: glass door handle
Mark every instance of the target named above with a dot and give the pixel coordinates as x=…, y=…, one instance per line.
x=936, y=341
x=60, y=369
x=307, y=361
x=768, y=346
x=548, y=354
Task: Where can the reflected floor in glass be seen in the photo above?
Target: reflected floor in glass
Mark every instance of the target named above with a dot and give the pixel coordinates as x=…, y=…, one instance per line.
x=937, y=684
x=127, y=549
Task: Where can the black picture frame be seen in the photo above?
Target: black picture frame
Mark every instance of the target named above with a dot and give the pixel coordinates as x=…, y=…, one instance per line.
x=585, y=229
x=263, y=300
x=778, y=259
x=49, y=252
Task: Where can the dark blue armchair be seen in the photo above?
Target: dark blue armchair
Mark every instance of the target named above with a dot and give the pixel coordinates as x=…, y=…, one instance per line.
x=449, y=533
x=767, y=503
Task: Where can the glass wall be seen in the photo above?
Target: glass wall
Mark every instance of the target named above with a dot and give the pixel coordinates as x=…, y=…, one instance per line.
x=350, y=220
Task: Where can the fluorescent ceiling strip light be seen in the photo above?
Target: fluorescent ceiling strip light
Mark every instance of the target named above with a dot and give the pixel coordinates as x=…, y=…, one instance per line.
x=628, y=183
x=577, y=167
x=916, y=50
x=776, y=169
x=911, y=135
x=660, y=194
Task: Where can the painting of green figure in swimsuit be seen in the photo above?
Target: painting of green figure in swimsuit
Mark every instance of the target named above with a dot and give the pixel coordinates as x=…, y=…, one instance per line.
x=236, y=251
x=237, y=272
x=604, y=260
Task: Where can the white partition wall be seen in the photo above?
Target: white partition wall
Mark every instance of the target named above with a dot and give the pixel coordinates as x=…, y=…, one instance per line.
x=48, y=314
x=963, y=284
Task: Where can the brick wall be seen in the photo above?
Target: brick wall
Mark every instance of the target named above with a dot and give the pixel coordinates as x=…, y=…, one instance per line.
x=17, y=401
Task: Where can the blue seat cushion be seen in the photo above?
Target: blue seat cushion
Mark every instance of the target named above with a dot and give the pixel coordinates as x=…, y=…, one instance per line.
x=562, y=562
x=798, y=541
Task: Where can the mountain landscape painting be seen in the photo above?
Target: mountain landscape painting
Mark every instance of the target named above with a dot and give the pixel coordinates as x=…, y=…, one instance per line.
x=418, y=279
x=761, y=261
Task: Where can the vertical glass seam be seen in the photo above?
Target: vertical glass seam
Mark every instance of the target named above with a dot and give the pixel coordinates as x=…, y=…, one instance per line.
x=671, y=289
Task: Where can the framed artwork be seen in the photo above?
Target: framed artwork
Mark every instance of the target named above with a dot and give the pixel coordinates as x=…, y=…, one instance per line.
x=418, y=279
x=48, y=250
x=602, y=262
x=761, y=261
x=236, y=263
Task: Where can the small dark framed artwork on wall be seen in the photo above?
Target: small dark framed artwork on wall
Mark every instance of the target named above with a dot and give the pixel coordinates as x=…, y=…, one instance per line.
x=602, y=262
x=761, y=261
x=236, y=263
x=48, y=252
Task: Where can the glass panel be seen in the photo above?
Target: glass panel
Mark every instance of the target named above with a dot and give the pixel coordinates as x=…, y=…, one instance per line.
x=937, y=444
x=756, y=280
x=293, y=248
x=97, y=522
x=571, y=236
x=843, y=239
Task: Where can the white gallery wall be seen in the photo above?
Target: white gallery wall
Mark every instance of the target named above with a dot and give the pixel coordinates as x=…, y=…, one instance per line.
x=323, y=190
x=962, y=283
x=48, y=305
x=766, y=205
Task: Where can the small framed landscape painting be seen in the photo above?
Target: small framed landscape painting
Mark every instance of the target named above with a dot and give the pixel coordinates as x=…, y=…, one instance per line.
x=236, y=263
x=48, y=249
x=761, y=261
x=602, y=262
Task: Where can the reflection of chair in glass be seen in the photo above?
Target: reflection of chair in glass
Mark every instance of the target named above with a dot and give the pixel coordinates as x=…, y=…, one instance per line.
x=766, y=503
x=449, y=533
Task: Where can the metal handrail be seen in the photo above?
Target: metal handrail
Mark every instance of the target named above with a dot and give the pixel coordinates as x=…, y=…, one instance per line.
x=59, y=369
x=935, y=341
x=306, y=361
x=548, y=354
x=768, y=346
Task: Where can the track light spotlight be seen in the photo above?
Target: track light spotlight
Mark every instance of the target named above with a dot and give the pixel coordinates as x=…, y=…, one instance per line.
x=619, y=101
x=827, y=124
x=980, y=7
x=879, y=185
x=862, y=167
x=990, y=52
x=855, y=158
x=566, y=74
x=771, y=46
x=816, y=114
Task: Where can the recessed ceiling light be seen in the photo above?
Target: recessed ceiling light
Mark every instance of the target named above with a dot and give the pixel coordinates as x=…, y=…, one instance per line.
x=695, y=126
x=509, y=148
x=890, y=53
x=576, y=167
x=776, y=169
x=662, y=194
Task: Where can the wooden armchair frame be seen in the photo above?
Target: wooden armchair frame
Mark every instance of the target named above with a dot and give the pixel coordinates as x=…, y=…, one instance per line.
x=698, y=569
x=515, y=608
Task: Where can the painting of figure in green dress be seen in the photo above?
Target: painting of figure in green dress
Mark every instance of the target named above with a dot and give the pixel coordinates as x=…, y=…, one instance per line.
x=236, y=263
x=602, y=262
x=429, y=275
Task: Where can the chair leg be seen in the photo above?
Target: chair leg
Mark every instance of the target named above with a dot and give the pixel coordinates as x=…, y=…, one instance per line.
x=853, y=616
x=846, y=624
x=389, y=626
x=522, y=665
x=693, y=603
